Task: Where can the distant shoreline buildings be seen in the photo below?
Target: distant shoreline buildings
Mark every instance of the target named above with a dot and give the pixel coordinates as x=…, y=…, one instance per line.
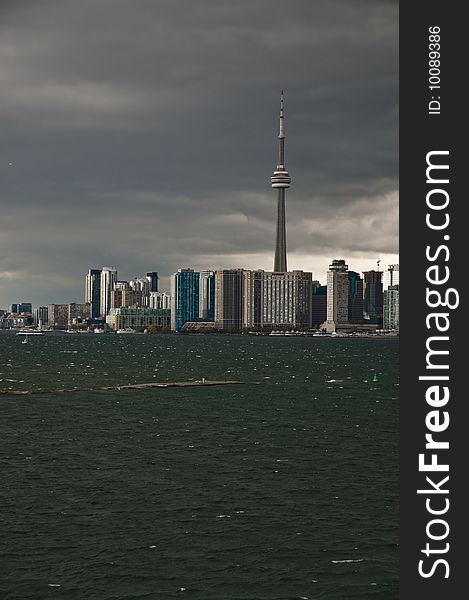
x=231, y=300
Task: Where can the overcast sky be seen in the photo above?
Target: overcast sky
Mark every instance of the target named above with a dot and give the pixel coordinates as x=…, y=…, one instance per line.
x=142, y=134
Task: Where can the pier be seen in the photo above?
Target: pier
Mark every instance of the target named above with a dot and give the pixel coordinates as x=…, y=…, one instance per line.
x=121, y=387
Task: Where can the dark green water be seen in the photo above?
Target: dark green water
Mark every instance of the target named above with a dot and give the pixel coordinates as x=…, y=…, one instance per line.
x=283, y=488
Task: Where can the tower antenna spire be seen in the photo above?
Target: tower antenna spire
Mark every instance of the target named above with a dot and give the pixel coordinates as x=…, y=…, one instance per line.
x=281, y=180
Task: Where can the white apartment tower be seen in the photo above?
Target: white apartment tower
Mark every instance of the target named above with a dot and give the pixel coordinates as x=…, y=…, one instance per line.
x=108, y=281
x=337, y=295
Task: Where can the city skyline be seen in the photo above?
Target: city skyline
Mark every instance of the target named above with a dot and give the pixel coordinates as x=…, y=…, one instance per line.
x=149, y=149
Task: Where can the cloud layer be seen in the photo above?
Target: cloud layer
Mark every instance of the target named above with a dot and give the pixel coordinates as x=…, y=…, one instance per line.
x=143, y=134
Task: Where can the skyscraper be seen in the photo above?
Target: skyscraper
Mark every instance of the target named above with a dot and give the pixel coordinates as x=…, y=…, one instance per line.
x=287, y=299
x=207, y=295
x=391, y=308
x=281, y=180
x=152, y=277
x=319, y=304
x=337, y=295
x=229, y=292
x=184, y=297
x=93, y=291
x=355, y=297
x=373, y=296
x=108, y=280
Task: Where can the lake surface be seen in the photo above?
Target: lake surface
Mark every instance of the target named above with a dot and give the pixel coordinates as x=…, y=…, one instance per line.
x=283, y=488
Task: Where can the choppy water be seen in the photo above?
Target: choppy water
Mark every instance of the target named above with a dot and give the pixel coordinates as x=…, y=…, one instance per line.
x=283, y=488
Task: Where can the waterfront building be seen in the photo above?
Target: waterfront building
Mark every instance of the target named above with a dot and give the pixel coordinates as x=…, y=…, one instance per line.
x=207, y=295
x=373, y=296
x=160, y=300
x=185, y=289
x=391, y=276
x=355, y=297
x=134, y=298
x=152, y=277
x=21, y=308
x=93, y=291
x=229, y=299
x=391, y=308
x=78, y=313
x=280, y=181
x=138, y=318
x=107, y=283
x=141, y=284
x=337, y=295
x=277, y=300
x=319, y=305
x=253, y=299
x=63, y=316
x=58, y=316
x=287, y=299
x=41, y=316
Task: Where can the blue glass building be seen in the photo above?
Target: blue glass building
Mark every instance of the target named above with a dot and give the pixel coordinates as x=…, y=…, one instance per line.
x=185, y=294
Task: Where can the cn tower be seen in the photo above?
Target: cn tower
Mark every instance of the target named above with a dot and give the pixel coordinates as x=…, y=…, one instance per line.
x=281, y=180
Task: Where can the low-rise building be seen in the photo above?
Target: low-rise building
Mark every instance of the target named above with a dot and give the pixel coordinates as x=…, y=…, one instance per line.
x=138, y=318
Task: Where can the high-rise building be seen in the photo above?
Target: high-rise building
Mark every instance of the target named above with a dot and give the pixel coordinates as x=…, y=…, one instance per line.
x=391, y=276
x=207, y=295
x=78, y=313
x=116, y=293
x=21, y=307
x=108, y=281
x=391, y=307
x=319, y=305
x=160, y=300
x=41, y=316
x=93, y=291
x=373, y=296
x=184, y=297
x=229, y=299
x=281, y=180
x=253, y=299
x=355, y=297
x=337, y=295
x=287, y=299
x=152, y=277
x=62, y=316
x=58, y=315
x=272, y=300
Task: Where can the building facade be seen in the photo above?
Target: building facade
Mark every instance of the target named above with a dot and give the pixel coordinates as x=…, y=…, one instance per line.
x=21, y=308
x=319, y=305
x=207, y=295
x=93, y=291
x=138, y=318
x=185, y=291
x=391, y=276
x=63, y=316
x=253, y=299
x=287, y=299
x=152, y=277
x=337, y=295
x=107, y=283
x=373, y=296
x=41, y=316
x=355, y=297
x=391, y=308
x=160, y=300
x=229, y=291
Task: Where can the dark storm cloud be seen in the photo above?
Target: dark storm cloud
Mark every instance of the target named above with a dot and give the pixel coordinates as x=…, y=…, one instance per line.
x=142, y=134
